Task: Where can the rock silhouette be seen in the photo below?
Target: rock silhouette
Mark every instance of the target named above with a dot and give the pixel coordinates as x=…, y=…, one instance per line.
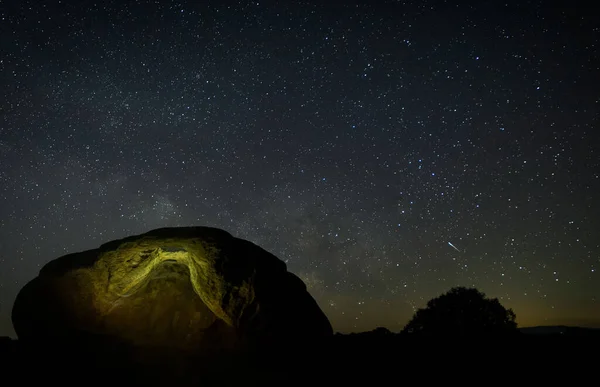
x=193, y=289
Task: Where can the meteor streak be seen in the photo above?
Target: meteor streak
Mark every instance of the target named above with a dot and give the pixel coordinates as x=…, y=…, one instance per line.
x=454, y=247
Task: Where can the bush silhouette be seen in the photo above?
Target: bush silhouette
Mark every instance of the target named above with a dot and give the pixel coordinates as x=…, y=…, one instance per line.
x=462, y=311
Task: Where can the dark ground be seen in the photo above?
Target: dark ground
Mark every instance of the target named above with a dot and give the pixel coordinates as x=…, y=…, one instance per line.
x=370, y=358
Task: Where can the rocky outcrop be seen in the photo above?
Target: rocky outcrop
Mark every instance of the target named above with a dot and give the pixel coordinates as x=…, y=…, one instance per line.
x=190, y=289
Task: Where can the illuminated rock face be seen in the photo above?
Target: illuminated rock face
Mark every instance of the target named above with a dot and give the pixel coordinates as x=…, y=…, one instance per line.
x=193, y=288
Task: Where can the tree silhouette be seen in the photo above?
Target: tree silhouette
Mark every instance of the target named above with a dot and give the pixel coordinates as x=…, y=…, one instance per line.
x=462, y=311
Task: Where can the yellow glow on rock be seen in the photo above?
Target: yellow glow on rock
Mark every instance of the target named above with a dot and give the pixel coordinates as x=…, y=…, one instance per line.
x=185, y=288
x=129, y=267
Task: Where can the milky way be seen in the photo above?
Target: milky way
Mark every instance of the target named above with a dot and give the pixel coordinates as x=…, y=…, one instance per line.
x=352, y=141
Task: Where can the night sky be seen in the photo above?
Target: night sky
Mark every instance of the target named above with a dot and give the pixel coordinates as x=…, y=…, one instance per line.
x=386, y=152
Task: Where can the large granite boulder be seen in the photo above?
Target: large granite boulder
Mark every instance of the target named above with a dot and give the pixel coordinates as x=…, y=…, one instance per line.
x=190, y=289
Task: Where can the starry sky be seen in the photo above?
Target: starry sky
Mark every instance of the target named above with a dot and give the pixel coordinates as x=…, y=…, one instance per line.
x=387, y=151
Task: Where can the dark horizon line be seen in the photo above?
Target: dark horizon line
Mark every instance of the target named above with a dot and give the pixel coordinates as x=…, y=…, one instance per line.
x=595, y=326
